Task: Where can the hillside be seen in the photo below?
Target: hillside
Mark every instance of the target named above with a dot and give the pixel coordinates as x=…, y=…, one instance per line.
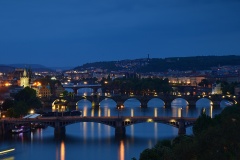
x=6, y=69
x=165, y=64
x=34, y=67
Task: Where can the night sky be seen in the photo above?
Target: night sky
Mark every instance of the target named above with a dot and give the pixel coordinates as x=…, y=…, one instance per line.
x=73, y=32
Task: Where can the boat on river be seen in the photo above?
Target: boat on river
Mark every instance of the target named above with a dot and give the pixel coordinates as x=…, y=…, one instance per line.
x=228, y=103
x=21, y=129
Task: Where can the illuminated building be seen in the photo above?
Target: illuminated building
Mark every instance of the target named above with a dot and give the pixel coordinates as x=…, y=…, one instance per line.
x=24, y=79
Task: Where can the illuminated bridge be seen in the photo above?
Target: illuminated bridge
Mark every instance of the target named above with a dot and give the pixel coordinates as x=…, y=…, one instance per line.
x=119, y=123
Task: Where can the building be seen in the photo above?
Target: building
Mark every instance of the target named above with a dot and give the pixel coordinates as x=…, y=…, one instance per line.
x=44, y=91
x=24, y=79
x=216, y=88
x=59, y=90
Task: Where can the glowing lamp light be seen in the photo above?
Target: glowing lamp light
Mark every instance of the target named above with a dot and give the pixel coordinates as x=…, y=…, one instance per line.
x=37, y=84
x=149, y=120
x=127, y=120
x=7, y=84
x=31, y=111
x=172, y=120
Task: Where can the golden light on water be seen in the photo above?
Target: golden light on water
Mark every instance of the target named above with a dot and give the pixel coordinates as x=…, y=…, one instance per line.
x=132, y=112
x=155, y=112
x=179, y=112
x=92, y=113
x=149, y=120
x=62, y=151
x=211, y=111
x=109, y=113
x=99, y=112
x=84, y=111
x=121, y=150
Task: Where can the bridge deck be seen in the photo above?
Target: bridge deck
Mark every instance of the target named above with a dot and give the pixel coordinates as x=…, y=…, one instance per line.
x=96, y=119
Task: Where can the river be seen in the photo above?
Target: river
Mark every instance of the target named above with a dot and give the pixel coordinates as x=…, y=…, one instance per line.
x=91, y=141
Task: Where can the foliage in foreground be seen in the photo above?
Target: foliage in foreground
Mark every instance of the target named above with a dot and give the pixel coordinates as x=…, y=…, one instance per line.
x=216, y=138
x=23, y=102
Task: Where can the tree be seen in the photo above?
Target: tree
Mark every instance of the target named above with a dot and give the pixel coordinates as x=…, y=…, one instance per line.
x=216, y=138
x=24, y=101
x=202, y=123
x=162, y=150
x=203, y=83
x=8, y=103
x=25, y=94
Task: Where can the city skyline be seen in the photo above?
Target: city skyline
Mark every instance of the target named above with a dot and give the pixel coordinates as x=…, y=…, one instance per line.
x=71, y=33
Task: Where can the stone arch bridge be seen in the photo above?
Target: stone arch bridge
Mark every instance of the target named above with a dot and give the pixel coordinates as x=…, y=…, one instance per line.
x=119, y=123
x=167, y=99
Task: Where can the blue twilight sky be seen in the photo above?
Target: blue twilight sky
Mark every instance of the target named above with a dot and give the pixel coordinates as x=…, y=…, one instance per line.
x=73, y=32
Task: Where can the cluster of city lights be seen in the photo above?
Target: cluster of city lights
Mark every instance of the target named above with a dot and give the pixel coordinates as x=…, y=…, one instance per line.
x=36, y=84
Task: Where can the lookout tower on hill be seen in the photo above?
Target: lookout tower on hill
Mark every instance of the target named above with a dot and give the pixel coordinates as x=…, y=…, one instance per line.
x=24, y=79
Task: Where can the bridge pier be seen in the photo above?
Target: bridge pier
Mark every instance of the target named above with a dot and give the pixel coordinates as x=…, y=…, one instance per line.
x=2, y=129
x=144, y=104
x=75, y=90
x=181, y=127
x=120, y=105
x=120, y=130
x=59, y=131
x=167, y=104
x=5, y=128
x=95, y=104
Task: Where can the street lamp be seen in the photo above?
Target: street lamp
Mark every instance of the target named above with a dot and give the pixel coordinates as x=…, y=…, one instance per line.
x=119, y=108
x=31, y=111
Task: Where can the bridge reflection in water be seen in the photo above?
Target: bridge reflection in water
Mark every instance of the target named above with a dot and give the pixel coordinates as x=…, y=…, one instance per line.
x=61, y=150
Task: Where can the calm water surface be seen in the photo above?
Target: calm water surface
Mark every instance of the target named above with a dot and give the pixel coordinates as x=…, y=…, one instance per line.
x=91, y=141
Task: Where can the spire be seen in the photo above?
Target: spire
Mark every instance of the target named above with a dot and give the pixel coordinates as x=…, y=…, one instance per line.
x=24, y=73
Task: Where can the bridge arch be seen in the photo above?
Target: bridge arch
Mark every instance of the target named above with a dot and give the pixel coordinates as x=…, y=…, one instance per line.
x=108, y=102
x=155, y=102
x=132, y=102
x=69, y=89
x=59, y=105
x=179, y=103
x=83, y=100
x=227, y=101
x=85, y=91
x=204, y=103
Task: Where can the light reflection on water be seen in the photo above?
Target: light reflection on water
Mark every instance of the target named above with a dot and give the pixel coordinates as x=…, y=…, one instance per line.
x=92, y=141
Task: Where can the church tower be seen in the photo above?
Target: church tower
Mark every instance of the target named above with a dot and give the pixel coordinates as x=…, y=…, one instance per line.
x=24, y=79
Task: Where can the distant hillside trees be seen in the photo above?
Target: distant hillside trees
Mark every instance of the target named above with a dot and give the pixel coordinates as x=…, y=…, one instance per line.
x=189, y=63
x=165, y=64
x=137, y=86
